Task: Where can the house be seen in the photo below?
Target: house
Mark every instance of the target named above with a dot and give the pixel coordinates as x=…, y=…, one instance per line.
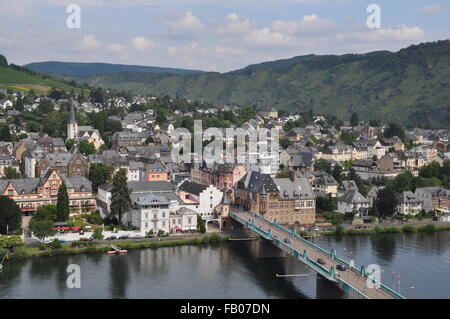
x=150, y=212
x=353, y=202
x=183, y=219
x=385, y=163
x=289, y=202
x=137, y=188
x=78, y=133
x=434, y=198
x=200, y=198
x=373, y=194
x=409, y=204
x=324, y=184
x=31, y=193
x=71, y=163
x=375, y=149
x=4, y=104
x=346, y=186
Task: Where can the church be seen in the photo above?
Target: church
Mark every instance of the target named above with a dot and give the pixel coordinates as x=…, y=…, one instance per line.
x=79, y=133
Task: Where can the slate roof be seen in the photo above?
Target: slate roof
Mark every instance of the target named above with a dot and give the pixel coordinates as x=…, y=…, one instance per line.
x=297, y=189
x=353, y=197
x=151, y=186
x=192, y=187
x=255, y=182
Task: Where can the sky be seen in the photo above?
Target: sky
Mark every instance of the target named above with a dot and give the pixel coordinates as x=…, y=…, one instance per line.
x=212, y=35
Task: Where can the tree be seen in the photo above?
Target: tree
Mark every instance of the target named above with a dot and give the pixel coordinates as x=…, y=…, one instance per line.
x=386, y=202
x=285, y=143
x=354, y=121
x=87, y=148
x=337, y=173
x=97, y=234
x=41, y=228
x=69, y=144
x=10, y=215
x=120, y=195
x=3, y=61
x=62, y=204
x=11, y=173
x=322, y=165
x=201, y=224
x=5, y=134
x=348, y=138
x=394, y=129
x=48, y=212
x=100, y=174
x=10, y=242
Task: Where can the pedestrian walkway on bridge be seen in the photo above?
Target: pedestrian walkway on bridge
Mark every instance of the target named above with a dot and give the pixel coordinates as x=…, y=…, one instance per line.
x=355, y=281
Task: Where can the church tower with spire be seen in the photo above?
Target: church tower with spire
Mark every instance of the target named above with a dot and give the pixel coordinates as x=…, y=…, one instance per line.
x=72, y=126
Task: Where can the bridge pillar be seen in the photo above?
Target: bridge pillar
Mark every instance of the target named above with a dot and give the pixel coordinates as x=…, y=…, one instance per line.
x=363, y=271
x=305, y=254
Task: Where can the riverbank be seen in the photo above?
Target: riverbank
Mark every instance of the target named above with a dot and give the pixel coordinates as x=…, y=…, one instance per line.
x=409, y=228
x=93, y=247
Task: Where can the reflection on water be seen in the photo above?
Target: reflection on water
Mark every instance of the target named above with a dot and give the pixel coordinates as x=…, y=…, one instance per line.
x=233, y=270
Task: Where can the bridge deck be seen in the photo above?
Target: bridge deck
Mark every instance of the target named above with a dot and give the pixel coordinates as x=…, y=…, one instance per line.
x=352, y=279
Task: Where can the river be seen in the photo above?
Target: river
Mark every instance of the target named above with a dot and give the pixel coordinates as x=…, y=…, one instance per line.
x=233, y=270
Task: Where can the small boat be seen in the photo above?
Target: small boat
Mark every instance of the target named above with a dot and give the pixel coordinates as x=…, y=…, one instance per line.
x=123, y=251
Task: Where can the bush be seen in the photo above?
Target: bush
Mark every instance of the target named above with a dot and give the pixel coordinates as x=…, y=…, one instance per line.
x=43, y=246
x=430, y=228
x=409, y=229
x=55, y=244
x=97, y=234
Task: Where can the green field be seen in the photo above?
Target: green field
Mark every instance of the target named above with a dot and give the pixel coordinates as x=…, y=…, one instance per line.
x=21, y=81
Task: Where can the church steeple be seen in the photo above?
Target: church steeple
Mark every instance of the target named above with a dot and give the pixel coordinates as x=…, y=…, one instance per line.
x=72, y=125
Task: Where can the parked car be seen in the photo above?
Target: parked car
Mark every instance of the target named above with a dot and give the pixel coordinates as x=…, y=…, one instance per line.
x=287, y=241
x=149, y=236
x=124, y=236
x=321, y=261
x=85, y=239
x=358, y=227
x=341, y=267
x=137, y=236
x=111, y=237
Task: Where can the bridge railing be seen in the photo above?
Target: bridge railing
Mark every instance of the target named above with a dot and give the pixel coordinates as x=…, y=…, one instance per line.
x=342, y=260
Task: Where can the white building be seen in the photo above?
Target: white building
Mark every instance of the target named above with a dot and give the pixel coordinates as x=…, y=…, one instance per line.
x=200, y=198
x=409, y=204
x=353, y=202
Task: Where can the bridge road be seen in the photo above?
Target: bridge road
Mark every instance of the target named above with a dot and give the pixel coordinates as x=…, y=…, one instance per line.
x=350, y=276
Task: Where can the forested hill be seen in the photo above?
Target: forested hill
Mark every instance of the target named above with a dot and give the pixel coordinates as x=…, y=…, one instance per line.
x=77, y=69
x=410, y=86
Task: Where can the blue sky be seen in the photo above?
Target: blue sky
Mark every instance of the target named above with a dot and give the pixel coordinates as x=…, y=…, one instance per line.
x=214, y=35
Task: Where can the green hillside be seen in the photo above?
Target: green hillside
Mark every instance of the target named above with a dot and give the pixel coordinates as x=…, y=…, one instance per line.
x=24, y=80
x=78, y=69
x=410, y=86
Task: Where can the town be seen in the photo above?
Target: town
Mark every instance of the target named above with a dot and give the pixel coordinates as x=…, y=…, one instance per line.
x=94, y=161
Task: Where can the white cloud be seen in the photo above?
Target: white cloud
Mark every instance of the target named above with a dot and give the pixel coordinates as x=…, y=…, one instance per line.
x=89, y=43
x=234, y=25
x=187, y=26
x=399, y=33
x=143, y=44
x=309, y=25
x=116, y=47
x=434, y=8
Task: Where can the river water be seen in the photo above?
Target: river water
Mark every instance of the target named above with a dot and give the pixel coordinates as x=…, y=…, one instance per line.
x=233, y=270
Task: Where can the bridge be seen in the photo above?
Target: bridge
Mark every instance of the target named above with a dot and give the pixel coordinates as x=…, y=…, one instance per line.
x=355, y=280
